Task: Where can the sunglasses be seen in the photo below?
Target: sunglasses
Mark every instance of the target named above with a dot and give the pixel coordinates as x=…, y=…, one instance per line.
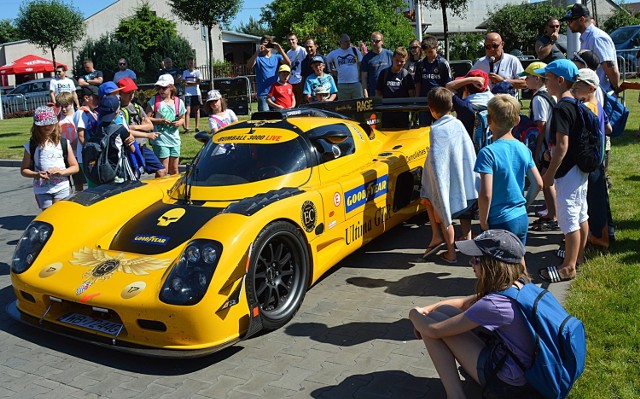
x=161, y=88
x=475, y=260
x=491, y=46
x=413, y=47
x=554, y=26
x=122, y=63
x=59, y=71
x=376, y=40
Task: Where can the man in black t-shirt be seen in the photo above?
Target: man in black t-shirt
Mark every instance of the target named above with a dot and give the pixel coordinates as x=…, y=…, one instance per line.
x=563, y=173
x=396, y=82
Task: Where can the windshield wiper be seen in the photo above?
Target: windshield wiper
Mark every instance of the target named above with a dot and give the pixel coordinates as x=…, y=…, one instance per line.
x=188, y=182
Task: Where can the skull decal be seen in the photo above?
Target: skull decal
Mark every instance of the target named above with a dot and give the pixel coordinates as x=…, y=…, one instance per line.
x=171, y=216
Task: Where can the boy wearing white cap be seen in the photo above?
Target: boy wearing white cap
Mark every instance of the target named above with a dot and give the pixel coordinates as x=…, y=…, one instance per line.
x=281, y=94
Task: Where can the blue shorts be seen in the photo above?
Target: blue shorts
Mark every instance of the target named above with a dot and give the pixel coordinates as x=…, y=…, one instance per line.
x=166, y=152
x=496, y=387
x=151, y=162
x=518, y=226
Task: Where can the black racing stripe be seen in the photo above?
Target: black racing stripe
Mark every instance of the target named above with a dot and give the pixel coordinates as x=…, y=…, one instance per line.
x=143, y=235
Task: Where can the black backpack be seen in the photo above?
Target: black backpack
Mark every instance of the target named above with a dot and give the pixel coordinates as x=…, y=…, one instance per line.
x=590, y=139
x=98, y=153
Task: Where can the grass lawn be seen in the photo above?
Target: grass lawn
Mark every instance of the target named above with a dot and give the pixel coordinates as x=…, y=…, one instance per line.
x=605, y=293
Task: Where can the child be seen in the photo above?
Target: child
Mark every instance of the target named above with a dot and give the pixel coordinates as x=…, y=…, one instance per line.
x=599, y=211
x=449, y=185
x=65, y=101
x=319, y=79
x=281, y=92
x=219, y=115
x=475, y=96
x=167, y=113
x=564, y=174
x=47, y=166
x=449, y=328
x=502, y=167
x=86, y=120
x=191, y=79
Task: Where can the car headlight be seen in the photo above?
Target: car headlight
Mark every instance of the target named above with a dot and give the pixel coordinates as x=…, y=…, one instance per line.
x=31, y=243
x=190, y=277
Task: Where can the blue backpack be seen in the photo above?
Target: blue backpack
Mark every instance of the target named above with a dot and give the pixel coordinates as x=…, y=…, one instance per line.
x=559, y=339
x=482, y=136
x=617, y=113
x=527, y=132
x=590, y=139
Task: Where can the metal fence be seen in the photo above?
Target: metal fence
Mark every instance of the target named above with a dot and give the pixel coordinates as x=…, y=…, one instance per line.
x=20, y=103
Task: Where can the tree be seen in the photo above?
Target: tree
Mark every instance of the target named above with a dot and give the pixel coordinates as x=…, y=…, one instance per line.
x=145, y=27
x=50, y=24
x=620, y=18
x=253, y=27
x=207, y=13
x=457, y=7
x=326, y=20
x=8, y=32
x=520, y=25
x=466, y=46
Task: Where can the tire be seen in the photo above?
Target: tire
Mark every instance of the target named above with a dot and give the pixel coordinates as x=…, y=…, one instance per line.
x=279, y=273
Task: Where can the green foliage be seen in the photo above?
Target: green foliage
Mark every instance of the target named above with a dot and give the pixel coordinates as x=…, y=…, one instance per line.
x=520, y=25
x=466, y=46
x=621, y=17
x=208, y=12
x=326, y=20
x=105, y=53
x=145, y=28
x=50, y=24
x=253, y=27
x=8, y=32
x=456, y=7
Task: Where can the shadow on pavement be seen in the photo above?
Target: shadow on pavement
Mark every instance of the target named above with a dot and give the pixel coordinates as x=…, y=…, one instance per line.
x=17, y=222
x=424, y=284
x=350, y=334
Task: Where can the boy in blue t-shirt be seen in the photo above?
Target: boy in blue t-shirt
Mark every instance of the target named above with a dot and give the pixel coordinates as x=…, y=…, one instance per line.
x=502, y=167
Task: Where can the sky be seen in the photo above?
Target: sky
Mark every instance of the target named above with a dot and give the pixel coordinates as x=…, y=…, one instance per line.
x=250, y=8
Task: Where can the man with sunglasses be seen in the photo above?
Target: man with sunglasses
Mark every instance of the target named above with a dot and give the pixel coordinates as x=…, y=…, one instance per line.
x=60, y=84
x=592, y=38
x=373, y=62
x=123, y=72
x=548, y=48
x=499, y=65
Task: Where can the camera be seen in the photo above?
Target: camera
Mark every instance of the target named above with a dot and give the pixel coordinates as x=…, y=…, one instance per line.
x=269, y=45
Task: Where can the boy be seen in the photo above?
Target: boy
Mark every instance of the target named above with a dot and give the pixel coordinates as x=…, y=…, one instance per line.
x=281, y=94
x=319, y=79
x=431, y=71
x=475, y=96
x=191, y=79
x=396, y=82
x=542, y=104
x=86, y=120
x=449, y=185
x=502, y=167
x=569, y=180
x=65, y=101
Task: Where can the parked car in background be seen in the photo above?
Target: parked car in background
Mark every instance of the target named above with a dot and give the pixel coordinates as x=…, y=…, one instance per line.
x=28, y=96
x=627, y=42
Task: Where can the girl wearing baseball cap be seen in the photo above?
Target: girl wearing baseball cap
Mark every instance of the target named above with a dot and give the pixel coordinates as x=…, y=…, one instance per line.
x=477, y=331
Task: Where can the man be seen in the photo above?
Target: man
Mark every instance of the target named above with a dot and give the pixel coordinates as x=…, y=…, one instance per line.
x=123, y=71
x=346, y=60
x=373, y=62
x=395, y=82
x=139, y=126
x=61, y=84
x=499, y=65
x=311, y=47
x=547, y=47
x=598, y=41
x=296, y=54
x=92, y=77
x=266, y=68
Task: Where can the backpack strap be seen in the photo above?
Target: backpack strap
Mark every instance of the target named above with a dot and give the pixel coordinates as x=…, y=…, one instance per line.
x=176, y=103
x=32, y=151
x=65, y=150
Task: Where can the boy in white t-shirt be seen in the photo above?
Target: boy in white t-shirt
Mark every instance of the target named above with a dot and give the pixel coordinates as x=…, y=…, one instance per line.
x=191, y=79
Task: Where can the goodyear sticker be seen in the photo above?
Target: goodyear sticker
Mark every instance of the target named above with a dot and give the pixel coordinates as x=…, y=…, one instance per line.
x=357, y=197
x=308, y=216
x=151, y=239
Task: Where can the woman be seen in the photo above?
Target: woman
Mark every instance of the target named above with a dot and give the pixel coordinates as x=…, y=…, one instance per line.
x=450, y=328
x=415, y=55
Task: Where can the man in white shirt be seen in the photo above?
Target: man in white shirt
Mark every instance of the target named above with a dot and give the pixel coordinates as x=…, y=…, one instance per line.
x=62, y=84
x=123, y=71
x=296, y=54
x=345, y=60
x=499, y=65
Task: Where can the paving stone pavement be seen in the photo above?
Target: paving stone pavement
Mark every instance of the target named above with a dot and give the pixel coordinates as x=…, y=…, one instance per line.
x=350, y=339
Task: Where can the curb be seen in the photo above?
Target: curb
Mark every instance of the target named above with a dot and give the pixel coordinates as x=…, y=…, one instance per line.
x=11, y=163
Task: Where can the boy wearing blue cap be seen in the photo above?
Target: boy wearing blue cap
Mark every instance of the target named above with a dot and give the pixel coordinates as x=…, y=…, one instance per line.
x=563, y=173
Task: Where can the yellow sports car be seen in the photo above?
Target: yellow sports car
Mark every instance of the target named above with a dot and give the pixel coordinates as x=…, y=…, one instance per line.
x=190, y=264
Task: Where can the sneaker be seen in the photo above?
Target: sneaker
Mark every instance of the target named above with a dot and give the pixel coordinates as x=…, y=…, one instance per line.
x=542, y=213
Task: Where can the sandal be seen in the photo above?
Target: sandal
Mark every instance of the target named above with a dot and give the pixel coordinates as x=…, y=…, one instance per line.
x=541, y=220
x=561, y=252
x=450, y=261
x=431, y=250
x=551, y=225
x=552, y=275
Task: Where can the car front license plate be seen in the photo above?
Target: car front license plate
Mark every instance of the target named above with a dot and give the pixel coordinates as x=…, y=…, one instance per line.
x=80, y=320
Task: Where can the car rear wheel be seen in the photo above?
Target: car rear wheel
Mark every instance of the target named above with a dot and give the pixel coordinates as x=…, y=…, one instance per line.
x=279, y=273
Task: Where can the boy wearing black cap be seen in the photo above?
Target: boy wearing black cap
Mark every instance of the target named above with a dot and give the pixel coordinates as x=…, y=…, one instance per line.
x=319, y=79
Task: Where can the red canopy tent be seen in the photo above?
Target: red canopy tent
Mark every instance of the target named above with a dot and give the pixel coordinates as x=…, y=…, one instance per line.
x=29, y=64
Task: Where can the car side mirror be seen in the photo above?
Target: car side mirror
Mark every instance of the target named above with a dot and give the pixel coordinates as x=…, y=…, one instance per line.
x=202, y=137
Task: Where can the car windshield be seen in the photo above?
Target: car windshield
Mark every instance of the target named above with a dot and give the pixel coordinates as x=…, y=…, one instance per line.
x=621, y=35
x=227, y=164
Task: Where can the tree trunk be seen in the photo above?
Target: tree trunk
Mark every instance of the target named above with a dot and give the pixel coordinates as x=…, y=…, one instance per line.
x=445, y=28
x=210, y=55
x=53, y=56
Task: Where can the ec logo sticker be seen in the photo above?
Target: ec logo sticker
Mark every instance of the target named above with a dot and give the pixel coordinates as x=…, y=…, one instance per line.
x=308, y=216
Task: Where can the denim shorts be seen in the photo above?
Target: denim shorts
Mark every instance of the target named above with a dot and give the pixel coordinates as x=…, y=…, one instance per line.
x=496, y=388
x=518, y=226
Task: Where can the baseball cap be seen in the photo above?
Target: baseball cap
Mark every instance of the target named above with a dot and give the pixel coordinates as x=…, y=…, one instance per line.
x=477, y=73
x=108, y=107
x=127, y=85
x=88, y=91
x=504, y=87
x=588, y=76
x=587, y=57
x=531, y=68
x=317, y=58
x=213, y=95
x=500, y=244
x=45, y=116
x=164, y=80
x=284, y=68
x=563, y=67
x=107, y=88
x=576, y=11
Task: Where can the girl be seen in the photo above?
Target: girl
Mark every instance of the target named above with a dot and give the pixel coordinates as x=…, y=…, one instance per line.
x=47, y=166
x=167, y=113
x=450, y=330
x=219, y=115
